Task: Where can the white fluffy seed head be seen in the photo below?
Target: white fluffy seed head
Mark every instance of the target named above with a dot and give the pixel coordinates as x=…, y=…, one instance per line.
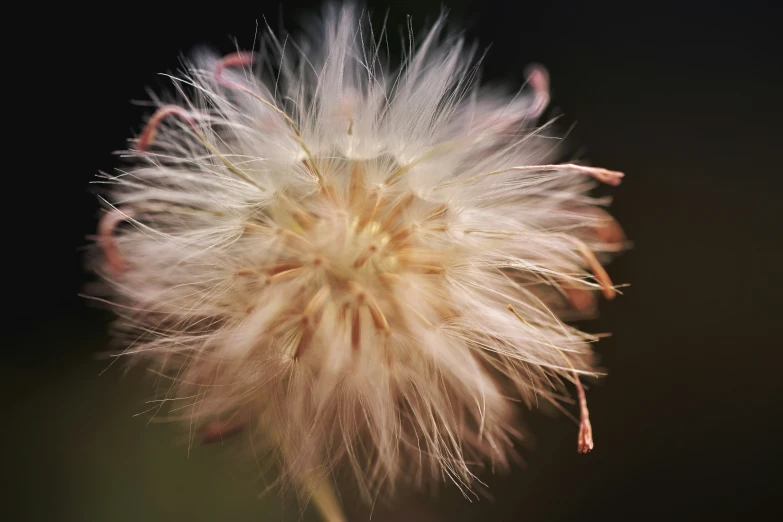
x=365, y=267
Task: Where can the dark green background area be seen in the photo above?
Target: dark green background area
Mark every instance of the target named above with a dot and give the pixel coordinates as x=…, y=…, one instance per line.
x=685, y=100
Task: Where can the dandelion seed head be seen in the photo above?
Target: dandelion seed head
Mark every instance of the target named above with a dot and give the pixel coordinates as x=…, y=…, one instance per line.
x=364, y=267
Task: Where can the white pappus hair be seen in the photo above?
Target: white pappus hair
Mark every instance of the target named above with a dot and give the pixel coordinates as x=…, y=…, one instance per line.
x=360, y=266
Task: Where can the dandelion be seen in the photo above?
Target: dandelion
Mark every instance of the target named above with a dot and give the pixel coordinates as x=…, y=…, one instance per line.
x=359, y=267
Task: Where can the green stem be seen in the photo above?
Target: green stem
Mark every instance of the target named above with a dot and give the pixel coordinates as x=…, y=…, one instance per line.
x=326, y=501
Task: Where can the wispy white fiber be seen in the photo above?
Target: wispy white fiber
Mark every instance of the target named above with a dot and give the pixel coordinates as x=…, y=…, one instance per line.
x=365, y=268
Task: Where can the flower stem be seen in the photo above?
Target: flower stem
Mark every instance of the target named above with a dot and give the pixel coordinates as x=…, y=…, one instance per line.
x=326, y=501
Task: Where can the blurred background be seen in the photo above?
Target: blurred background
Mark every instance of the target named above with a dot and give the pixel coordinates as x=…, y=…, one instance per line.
x=686, y=99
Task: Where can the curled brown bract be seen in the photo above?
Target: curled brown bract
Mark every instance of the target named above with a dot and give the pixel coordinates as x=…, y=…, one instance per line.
x=151, y=129
x=115, y=261
x=538, y=80
x=585, y=440
x=218, y=431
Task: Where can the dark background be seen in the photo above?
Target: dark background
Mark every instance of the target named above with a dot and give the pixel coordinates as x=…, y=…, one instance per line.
x=685, y=100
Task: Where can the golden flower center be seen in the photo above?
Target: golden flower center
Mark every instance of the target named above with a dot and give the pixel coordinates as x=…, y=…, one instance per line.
x=345, y=251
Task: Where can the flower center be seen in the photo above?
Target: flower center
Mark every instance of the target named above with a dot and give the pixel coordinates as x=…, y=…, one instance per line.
x=345, y=254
